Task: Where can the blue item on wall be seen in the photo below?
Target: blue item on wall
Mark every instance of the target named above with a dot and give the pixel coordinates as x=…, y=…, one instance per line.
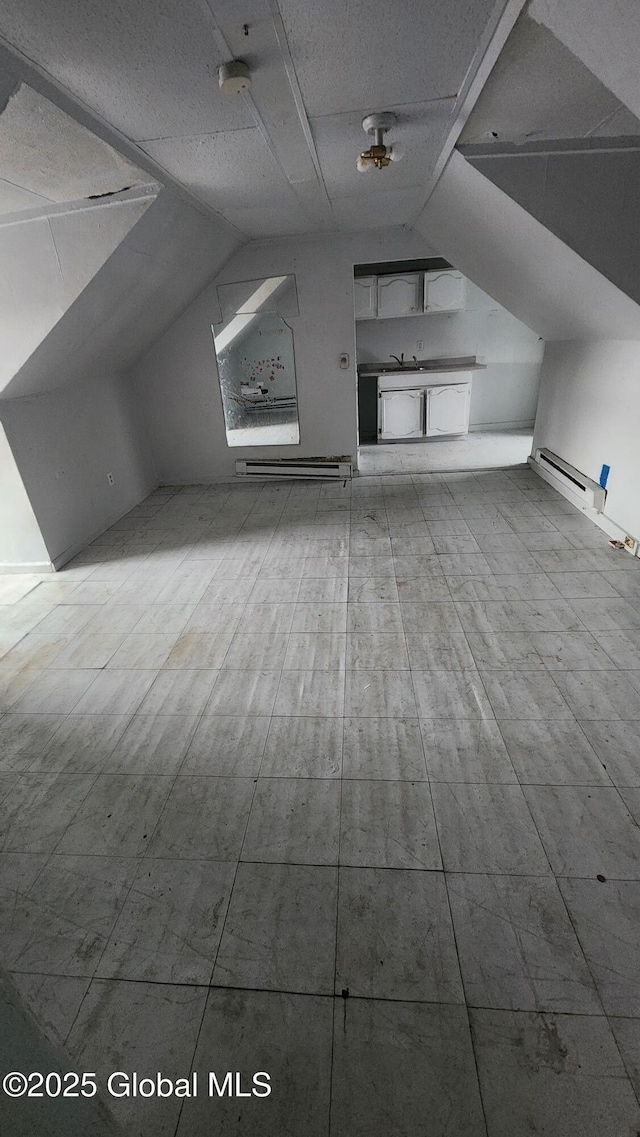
x=604, y=474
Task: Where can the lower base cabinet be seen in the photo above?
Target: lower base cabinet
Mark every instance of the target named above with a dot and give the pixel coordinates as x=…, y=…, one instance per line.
x=412, y=406
x=447, y=410
x=401, y=414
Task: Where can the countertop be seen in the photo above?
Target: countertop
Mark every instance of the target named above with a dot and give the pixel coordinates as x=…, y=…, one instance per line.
x=461, y=363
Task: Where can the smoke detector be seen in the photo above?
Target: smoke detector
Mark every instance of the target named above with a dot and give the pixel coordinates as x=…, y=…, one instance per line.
x=234, y=77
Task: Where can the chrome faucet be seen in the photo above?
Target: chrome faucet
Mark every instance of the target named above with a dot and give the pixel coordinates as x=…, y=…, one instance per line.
x=400, y=361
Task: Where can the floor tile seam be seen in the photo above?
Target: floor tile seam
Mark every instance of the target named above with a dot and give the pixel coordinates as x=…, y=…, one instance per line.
x=553, y=673
x=112, y=747
x=585, y=957
x=94, y=778
x=232, y=885
x=335, y=996
x=238, y=861
x=470, y=871
x=141, y=861
x=338, y=864
x=531, y=816
x=337, y=919
x=415, y=701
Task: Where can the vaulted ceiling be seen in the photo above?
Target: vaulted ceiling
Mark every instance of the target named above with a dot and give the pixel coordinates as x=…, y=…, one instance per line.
x=280, y=159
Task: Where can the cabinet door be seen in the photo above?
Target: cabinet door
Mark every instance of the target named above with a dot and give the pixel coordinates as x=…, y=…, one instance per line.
x=400, y=414
x=448, y=410
x=443, y=291
x=399, y=295
x=365, y=296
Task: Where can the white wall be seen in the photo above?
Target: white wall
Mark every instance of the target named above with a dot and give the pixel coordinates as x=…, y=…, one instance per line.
x=45, y=264
x=21, y=543
x=604, y=36
x=163, y=262
x=589, y=413
x=177, y=380
x=590, y=201
x=65, y=442
x=514, y=258
x=506, y=393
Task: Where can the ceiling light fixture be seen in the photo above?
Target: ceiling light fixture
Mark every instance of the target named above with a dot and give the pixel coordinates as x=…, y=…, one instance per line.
x=378, y=155
x=234, y=77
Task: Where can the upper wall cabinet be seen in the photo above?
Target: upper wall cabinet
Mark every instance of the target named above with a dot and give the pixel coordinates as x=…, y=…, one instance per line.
x=443, y=291
x=383, y=297
x=365, y=292
x=399, y=295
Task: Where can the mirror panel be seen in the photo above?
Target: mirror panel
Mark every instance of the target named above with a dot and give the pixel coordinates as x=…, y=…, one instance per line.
x=256, y=362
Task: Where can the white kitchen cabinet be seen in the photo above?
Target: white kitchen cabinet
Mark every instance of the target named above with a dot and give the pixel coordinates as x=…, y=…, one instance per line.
x=365, y=292
x=448, y=409
x=443, y=291
x=399, y=295
x=401, y=414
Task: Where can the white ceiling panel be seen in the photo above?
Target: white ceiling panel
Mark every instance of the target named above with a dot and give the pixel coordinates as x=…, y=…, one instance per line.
x=539, y=90
x=419, y=133
x=349, y=56
x=149, y=67
x=228, y=170
x=373, y=211
x=47, y=153
x=271, y=219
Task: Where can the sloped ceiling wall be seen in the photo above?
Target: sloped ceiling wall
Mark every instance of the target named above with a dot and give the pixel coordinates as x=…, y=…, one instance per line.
x=45, y=264
x=604, y=36
x=519, y=262
x=162, y=264
x=589, y=200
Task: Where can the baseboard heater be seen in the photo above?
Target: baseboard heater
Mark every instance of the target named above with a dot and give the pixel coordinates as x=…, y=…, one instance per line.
x=567, y=480
x=337, y=468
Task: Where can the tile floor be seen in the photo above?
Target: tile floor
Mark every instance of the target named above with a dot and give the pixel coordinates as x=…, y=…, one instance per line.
x=488, y=449
x=341, y=783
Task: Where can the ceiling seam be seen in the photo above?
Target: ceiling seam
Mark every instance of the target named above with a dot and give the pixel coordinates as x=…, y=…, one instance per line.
x=16, y=185
x=80, y=205
x=222, y=44
x=57, y=255
x=473, y=155
x=396, y=107
x=495, y=35
x=186, y=137
x=289, y=66
x=607, y=118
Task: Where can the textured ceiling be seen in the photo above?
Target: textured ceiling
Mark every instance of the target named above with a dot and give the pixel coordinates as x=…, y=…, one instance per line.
x=348, y=55
x=538, y=90
x=47, y=157
x=281, y=160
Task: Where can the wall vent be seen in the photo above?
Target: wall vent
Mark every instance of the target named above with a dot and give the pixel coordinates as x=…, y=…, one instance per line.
x=337, y=468
x=567, y=480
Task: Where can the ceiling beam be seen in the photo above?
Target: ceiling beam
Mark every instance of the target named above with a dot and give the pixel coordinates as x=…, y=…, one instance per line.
x=549, y=148
x=279, y=114
x=496, y=33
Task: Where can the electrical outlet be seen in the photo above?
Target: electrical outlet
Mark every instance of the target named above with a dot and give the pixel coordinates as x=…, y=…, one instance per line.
x=420, y=345
x=344, y=360
x=110, y=479
x=631, y=544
